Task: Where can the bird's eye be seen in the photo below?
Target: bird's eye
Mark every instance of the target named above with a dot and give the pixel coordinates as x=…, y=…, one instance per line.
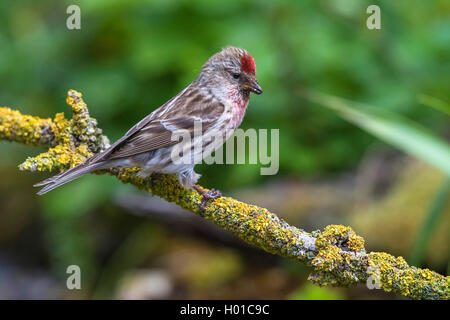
x=236, y=75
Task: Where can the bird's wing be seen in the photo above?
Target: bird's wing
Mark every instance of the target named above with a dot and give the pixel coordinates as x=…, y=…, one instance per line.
x=155, y=135
x=156, y=130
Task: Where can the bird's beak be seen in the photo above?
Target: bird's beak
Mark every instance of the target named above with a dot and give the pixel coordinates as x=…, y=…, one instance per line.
x=253, y=86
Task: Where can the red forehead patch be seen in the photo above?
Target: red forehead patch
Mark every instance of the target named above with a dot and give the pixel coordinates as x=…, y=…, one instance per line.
x=248, y=64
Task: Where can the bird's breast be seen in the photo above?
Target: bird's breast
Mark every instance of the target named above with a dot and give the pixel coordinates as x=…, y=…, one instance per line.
x=238, y=106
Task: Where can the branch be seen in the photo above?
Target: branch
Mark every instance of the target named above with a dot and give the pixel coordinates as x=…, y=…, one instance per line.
x=336, y=254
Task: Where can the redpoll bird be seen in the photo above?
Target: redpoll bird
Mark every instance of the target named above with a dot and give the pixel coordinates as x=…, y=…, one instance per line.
x=217, y=99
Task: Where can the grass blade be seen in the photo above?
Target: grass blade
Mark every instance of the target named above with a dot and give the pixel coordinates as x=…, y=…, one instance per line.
x=435, y=103
x=391, y=128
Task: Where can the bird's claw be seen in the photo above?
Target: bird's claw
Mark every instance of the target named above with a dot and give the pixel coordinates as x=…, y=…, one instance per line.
x=210, y=195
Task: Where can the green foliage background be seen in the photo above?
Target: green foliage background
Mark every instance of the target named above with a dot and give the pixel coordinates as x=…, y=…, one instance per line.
x=132, y=56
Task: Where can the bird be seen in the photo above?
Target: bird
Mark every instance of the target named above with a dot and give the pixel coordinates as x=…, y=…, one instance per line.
x=217, y=100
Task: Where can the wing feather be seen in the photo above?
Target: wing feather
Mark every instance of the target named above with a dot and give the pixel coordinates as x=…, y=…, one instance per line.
x=155, y=131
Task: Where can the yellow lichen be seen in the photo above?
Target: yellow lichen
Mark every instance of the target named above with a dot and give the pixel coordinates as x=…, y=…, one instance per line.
x=342, y=236
x=30, y=130
x=76, y=139
x=337, y=254
x=395, y=275
x=72, y=95
x=339, y=260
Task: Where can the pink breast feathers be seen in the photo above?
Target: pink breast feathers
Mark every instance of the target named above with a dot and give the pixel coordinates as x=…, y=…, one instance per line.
x=239, y=104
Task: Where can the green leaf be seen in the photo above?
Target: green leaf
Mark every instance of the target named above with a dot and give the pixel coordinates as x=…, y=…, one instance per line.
x=434, y=103
x=390, y=127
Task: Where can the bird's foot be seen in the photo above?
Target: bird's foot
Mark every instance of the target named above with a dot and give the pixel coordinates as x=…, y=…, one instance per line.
x=207, y=195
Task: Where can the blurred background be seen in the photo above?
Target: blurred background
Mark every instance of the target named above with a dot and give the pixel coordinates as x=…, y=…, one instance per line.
x=131, y=56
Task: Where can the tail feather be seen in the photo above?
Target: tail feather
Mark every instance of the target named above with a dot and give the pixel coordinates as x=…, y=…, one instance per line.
x=67, y=176
x=54, y=178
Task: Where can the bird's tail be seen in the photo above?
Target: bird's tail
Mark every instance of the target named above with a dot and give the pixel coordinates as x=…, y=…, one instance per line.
x=68, y=175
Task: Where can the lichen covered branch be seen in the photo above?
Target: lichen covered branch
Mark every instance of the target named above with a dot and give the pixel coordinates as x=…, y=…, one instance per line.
x=336, y=254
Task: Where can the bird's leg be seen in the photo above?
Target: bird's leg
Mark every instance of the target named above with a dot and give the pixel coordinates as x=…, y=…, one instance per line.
x=211, y=194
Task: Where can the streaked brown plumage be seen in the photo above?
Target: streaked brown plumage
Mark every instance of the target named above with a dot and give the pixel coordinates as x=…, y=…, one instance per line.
x=217, y=98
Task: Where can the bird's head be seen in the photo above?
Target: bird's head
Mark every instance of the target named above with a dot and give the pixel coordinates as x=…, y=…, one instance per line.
x=231, y=71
